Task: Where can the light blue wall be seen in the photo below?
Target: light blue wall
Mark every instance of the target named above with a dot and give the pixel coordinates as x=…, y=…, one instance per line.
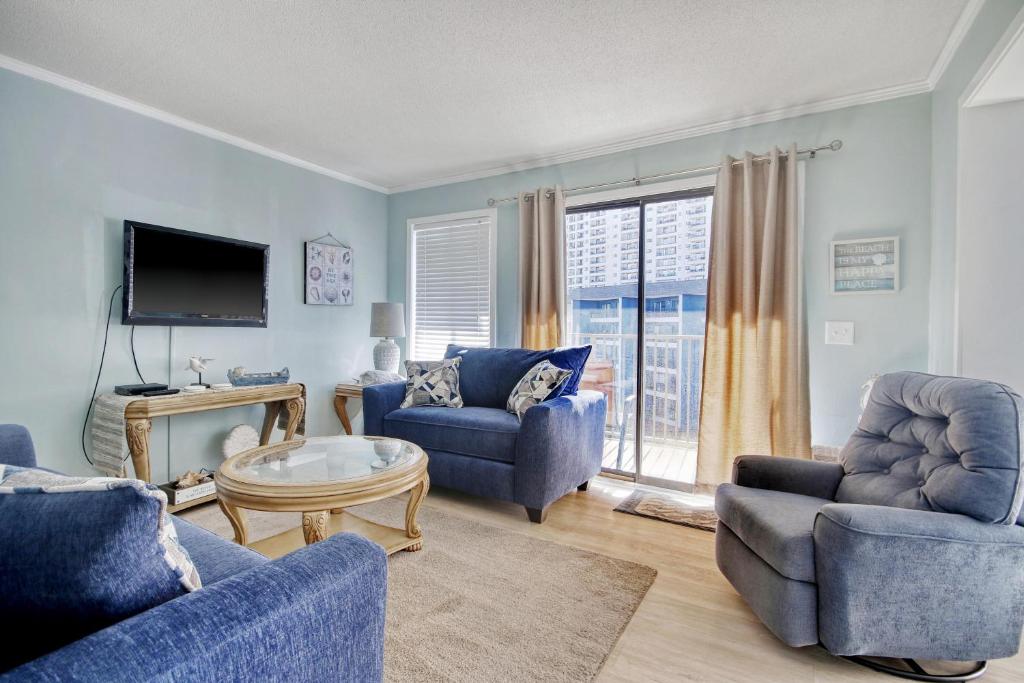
x=877, y=185
x=71, y=170
x=988, y=27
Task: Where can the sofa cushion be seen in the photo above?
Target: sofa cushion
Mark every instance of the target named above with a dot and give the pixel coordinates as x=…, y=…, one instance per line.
x=472, y=475
x=487, y=376
x=216, y=558
x=480, y=432
x=78, y=554
x=778, y=527
x=945, y=444
x=789, y=608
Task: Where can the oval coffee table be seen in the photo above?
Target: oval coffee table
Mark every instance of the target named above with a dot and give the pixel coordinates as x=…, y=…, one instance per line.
x=319, y=477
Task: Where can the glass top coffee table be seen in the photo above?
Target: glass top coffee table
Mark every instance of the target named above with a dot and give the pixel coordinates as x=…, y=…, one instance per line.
x=319, y=477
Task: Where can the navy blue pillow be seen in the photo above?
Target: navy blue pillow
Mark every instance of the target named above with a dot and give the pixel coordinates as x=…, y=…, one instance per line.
x=571, y=358
x=79, y=555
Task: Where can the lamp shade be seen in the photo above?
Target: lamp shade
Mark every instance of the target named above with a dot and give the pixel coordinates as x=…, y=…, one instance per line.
x=387, y=320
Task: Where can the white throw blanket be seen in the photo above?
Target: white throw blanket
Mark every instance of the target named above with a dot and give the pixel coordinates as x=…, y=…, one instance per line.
x=109, y=444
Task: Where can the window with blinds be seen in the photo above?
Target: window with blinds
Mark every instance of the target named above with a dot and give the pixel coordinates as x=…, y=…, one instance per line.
x=451, y=283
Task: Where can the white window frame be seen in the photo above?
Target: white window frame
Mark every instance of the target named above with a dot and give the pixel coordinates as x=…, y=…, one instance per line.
x=491, y=215
x=635, y=191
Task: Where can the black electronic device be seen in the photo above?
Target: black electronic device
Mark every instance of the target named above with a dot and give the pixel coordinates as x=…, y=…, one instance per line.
x=177, y=277
x=160, y=392
x=138, y=389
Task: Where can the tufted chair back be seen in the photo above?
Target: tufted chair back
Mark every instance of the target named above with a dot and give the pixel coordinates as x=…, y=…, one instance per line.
x=946, y=444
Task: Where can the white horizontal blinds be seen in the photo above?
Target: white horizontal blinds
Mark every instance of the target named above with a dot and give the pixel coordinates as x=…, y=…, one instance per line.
x=451, y=286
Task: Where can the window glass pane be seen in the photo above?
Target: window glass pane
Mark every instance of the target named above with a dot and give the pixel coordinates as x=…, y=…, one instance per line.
x=675, y=276
x=603, y=259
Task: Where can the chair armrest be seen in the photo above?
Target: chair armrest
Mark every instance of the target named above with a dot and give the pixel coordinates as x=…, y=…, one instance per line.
x=378, y=401
x=789, y=475
x=16, y=446
x=559, y=447
x=314, y=615
x=894, y=582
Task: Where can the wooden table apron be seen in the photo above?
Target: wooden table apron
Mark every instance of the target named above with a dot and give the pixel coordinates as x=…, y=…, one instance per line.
x=315, y=499
x=139, y=414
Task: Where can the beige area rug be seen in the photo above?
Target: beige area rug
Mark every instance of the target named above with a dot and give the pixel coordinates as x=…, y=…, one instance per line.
x=668, y=509
x=482, y=604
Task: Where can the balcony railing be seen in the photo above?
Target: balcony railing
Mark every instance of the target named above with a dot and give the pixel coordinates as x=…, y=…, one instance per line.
x=673, y=363
x=671, y=407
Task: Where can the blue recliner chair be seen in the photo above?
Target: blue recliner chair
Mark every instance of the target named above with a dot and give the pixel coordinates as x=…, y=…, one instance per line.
x=316, y=614
x=484, y=450
x=912, y=549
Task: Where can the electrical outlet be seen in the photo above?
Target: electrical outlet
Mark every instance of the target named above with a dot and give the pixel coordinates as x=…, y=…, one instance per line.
x=839, y=332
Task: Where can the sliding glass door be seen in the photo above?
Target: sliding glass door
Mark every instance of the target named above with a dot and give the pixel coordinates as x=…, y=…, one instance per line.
x=647, y=358
x=603, y=273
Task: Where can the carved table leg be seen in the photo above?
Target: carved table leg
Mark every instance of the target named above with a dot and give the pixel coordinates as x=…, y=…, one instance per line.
x=314, y=526
x=234, y=516
x=341, y=408
x=416, y=496
x=296, y=407
x=273, y=409
x=137, y=431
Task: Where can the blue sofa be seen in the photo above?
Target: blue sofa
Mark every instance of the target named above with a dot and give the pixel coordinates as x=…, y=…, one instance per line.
x=911, y=549
x=314, y=615
x=484, y=450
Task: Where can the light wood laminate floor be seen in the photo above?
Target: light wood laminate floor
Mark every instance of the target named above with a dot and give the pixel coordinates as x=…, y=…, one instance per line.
x=672, y=460
x=692, y=626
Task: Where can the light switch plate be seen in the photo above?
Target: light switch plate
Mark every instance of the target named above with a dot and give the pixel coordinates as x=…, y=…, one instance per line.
x=839, y=332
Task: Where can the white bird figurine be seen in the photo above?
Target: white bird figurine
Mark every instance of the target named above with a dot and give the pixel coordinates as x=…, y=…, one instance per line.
x=197, y=364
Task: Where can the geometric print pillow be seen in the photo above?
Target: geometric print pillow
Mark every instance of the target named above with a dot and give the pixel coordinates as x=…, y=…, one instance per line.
x=433, y=383
x=539, y=382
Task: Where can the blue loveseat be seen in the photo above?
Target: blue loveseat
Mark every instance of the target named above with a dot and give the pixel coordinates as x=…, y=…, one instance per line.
x=484, y=450
x=314, y=615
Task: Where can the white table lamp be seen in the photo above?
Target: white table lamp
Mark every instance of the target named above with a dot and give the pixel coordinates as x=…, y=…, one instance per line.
x=386, y=321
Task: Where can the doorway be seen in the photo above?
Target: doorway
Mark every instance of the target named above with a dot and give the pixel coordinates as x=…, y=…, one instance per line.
x=636, y=281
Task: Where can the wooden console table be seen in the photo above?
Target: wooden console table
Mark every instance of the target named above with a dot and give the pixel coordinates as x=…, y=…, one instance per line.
x=342, y=393
x=139, y=414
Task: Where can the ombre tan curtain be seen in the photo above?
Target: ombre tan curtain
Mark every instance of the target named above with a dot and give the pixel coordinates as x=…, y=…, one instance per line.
x=755, y=390
x=542, y=267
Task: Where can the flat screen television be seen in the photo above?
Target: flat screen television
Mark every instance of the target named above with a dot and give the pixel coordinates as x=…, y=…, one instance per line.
x=177, y=277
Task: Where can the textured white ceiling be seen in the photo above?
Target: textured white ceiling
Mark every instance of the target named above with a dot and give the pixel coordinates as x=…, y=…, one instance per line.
x=400, y=92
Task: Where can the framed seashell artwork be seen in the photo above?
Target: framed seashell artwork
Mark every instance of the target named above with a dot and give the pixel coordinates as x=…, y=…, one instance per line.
x=328, y=272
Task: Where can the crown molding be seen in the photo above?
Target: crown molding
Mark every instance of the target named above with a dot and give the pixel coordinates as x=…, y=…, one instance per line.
x=942, y=61
x=673, y=135
x=107, y=97
x=956, y=36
